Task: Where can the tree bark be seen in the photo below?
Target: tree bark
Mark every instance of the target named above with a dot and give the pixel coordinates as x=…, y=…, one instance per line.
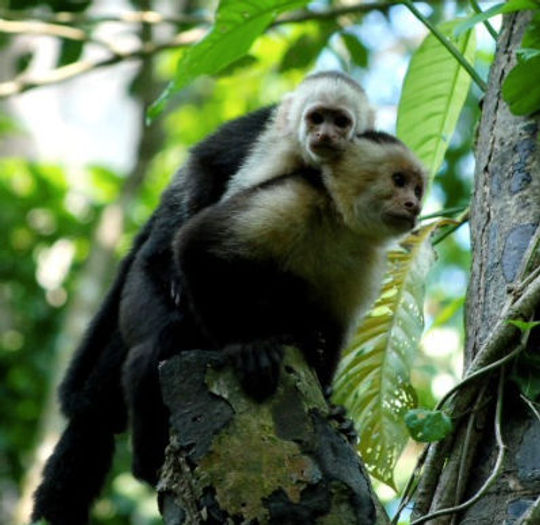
x=505, y=218
x=233, y=460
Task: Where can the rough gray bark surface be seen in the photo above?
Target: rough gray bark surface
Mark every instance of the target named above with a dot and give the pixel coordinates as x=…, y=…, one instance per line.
x=505, y=211
x=233, y=460
x=505, y=218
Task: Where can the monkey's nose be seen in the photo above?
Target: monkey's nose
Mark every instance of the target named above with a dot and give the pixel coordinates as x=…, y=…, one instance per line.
x=324, y=138
x=413, y=207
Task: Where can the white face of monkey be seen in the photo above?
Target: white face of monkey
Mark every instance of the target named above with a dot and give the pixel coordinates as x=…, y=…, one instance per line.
x=325, y=113
x=325, y=130
x=377, y=186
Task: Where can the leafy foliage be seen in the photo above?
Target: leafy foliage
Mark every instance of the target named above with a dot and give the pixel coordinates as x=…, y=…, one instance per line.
x=428, y=425
x=434, y=91
x=238, y=23
x=373, y=379
x=498, y=9
x=33, y=220
x=526, y=375
x=357, y=51
x=304, y=51
x=521, y=89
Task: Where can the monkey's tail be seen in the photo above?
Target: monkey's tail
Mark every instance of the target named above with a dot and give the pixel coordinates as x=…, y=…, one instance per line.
x=75, y=472
x=99, y=334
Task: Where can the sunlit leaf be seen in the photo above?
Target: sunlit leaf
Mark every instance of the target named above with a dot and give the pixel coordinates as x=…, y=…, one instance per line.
x=505, y=7
x=434, y=91
x=238, y=23
x=373, y=379
x=237, y=65
x=427, y=426
x=524, y=326
x=448, y=312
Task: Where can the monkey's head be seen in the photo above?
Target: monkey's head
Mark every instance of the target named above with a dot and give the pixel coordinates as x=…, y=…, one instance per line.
x=325, y=112
x=377, y=185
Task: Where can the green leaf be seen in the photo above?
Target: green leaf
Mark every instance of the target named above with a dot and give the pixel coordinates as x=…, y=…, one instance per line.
x=505, y=7
x=428, y=425
x=531, y=38
x=524, y=54
x=70, y=51
x=307, y=48
x=524, y=326
x=358, y=52
x=448, y=311
x=526, y=374
x=238, y=23
x=521, y=88
x=237, y=65
x=23, y=61
x=373, y=378
x=434, y=91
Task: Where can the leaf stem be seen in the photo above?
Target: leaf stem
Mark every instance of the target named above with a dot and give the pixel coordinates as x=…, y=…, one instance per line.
x=462, y=219
x=452, y=49
x=487, y=24
x=442, y=213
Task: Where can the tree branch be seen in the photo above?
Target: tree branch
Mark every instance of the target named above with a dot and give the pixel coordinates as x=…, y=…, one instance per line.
x=64, y=73
x=53, y=25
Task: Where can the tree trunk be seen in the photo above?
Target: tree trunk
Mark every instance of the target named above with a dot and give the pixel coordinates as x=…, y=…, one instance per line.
x=233, y=460
x=505, y=218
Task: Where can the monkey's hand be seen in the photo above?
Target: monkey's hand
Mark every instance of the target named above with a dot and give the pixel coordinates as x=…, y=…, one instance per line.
x=257, y=364
x=338, y=415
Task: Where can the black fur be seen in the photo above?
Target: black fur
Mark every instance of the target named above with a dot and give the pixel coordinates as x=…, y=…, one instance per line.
x=252, y=307
x=141, y=321
x=379, y=137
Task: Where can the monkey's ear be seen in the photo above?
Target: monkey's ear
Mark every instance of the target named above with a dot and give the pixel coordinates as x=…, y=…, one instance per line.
x=282, y=121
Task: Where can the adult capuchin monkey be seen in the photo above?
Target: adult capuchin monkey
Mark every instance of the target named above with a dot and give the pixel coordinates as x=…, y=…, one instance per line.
x=144, y=318
x=298, y=258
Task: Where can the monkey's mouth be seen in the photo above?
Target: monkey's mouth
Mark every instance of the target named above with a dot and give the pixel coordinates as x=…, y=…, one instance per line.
x=323, y=150
x=400, y=221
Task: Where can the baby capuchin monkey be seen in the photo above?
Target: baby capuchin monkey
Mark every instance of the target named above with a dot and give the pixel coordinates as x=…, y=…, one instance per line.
x=298, y=258
x=311, y=125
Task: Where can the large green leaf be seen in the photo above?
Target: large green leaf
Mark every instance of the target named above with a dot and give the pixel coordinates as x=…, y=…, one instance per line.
x=434, y=91
x=373, y=380
x=308, y=47
x=521, y=88
x=499, y=9
x=238, y=23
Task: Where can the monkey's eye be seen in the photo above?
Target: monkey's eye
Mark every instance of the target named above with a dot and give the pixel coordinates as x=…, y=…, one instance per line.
x=342, y=121
x=316, y=117
x=418, y=192
x=399, y=179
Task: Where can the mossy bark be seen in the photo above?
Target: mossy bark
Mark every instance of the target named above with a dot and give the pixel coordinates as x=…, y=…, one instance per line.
x=234, y=460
